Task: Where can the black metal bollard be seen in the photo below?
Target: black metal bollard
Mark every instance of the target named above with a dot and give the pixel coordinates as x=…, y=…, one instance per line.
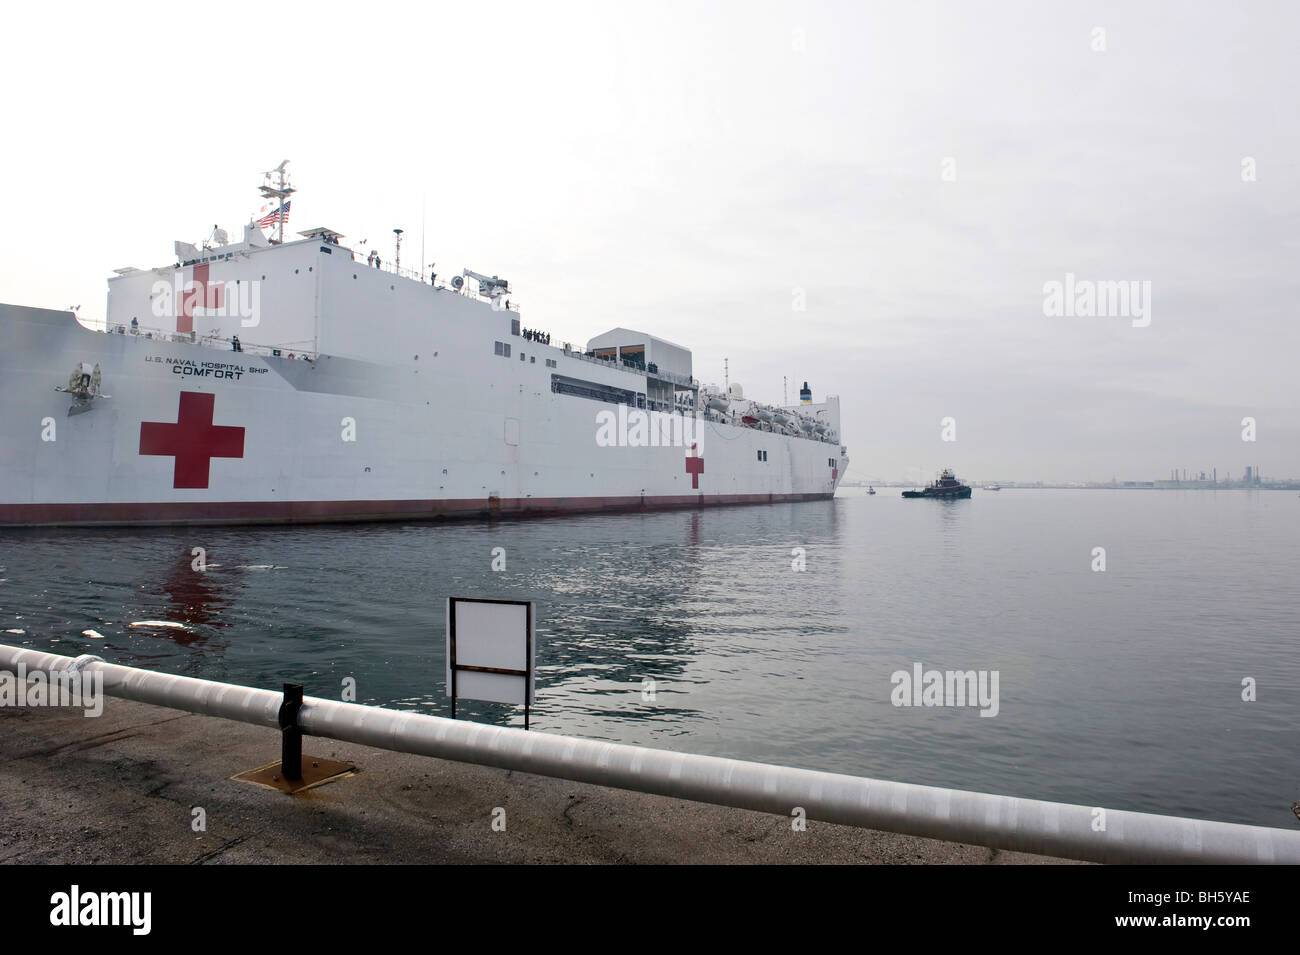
x=290, y=733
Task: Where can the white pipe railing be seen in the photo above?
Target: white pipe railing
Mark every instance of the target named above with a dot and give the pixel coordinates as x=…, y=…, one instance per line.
x=998, y=822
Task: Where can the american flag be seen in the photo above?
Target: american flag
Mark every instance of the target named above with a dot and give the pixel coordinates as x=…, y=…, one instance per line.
x=280, y=214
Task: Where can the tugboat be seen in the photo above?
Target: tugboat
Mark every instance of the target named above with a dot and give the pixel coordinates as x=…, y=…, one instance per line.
x=871, y=490
x=946, y=486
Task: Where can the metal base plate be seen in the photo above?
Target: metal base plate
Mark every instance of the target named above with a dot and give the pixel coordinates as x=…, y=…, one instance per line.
x=316, y=771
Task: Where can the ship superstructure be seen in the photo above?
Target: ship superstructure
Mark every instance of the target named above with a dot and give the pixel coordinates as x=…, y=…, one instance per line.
x=283, y=380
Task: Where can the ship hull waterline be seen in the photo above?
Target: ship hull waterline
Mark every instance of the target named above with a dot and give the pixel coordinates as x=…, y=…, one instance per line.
x=163, y=514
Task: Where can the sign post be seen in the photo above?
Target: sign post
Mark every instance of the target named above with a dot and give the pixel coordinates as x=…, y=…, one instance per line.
x=490, y=651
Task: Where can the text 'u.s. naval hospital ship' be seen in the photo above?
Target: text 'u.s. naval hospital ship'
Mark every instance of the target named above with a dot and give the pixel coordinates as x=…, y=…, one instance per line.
x=273, y=380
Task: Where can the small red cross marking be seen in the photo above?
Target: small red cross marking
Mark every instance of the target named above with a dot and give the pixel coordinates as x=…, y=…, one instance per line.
x=193, y=440
x=204, y=296
x=695, y=466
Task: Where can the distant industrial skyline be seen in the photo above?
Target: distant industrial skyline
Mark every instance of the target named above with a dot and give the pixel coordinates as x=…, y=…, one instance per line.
x=1249, y=477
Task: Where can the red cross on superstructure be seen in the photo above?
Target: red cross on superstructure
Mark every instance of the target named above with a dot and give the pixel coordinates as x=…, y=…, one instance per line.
x=193, y=440
x=695, y=466
x=204, y=296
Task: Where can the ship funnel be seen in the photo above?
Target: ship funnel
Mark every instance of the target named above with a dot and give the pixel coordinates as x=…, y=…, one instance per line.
x=805, y=394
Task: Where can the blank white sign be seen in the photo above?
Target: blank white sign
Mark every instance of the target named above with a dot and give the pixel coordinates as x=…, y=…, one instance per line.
x=490, y=634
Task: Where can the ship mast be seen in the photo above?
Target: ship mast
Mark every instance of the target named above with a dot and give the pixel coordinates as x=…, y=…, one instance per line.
x=280, y=190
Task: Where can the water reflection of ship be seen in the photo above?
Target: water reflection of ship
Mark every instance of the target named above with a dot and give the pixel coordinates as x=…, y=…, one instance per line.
x=652, y=608
x=199, y=599
x=621, y=635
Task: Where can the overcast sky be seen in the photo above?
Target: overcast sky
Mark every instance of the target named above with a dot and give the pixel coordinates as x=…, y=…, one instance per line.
x=698, y=170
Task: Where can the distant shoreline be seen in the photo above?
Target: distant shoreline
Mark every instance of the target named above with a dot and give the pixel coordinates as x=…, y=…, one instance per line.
x=1100, y=487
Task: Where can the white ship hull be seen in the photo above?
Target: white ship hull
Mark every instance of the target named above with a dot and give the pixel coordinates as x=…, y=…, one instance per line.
x=427, y=425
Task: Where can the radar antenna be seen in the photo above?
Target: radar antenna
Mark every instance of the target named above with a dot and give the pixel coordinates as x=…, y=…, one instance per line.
x=216, y=238
x=277, y=187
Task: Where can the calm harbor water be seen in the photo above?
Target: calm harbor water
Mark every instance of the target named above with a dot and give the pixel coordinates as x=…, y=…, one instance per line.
x=1120, y=688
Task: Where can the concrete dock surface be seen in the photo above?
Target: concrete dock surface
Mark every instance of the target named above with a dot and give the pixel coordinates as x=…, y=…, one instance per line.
x=123, y=788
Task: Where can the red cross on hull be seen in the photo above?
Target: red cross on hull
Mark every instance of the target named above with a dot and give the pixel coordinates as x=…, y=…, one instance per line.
x=193, y=440
x=695, y=466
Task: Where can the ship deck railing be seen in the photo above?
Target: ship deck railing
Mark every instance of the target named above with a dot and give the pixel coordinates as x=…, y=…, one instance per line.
x=636, y=369
x=298, y=351
x=424, y=278
x=215, y=342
